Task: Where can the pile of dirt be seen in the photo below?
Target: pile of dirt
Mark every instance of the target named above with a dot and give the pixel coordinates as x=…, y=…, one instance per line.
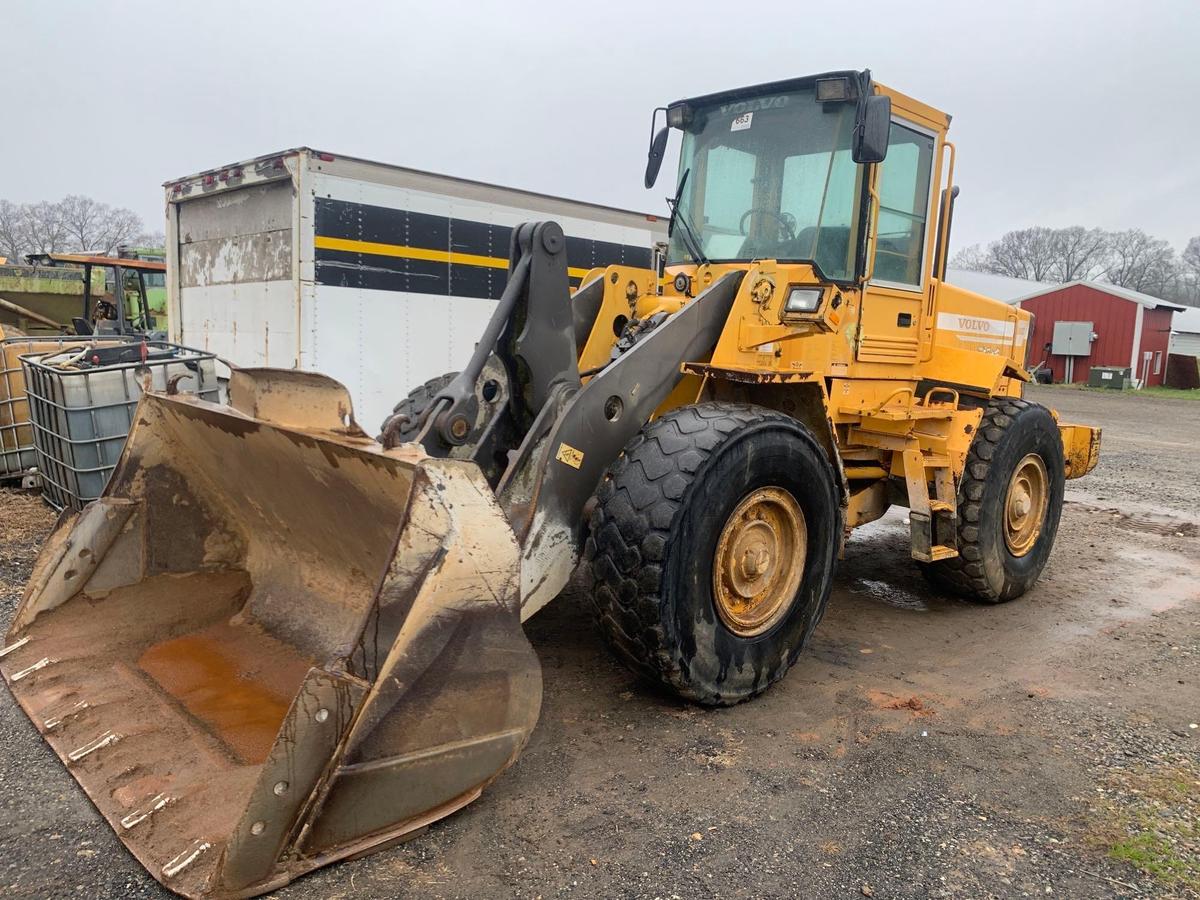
x=25, y=521
x=914, y=704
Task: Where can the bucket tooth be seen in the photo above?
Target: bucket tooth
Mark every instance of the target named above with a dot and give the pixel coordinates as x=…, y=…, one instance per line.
x=105, y=740
x=15, y=645
x=36, y=667
x=57, y=718
x=146, y=810
x=176, y=864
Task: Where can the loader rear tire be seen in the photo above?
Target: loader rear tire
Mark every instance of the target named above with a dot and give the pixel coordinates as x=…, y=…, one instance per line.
x=413, y=405
x=665, y=569
x=1001, y=554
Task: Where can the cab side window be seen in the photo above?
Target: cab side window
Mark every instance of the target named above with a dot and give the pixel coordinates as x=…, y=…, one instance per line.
x=903, y=207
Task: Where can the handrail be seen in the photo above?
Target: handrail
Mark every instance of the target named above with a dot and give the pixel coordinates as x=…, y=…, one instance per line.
x=872, y=234
x=929, y=324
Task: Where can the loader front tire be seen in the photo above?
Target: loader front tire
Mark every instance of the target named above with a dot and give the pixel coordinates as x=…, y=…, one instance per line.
x=412, y=406
x=1009, y=504
x=713, y=545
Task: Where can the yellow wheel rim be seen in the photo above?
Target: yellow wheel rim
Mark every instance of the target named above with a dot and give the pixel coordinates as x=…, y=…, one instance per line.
x=1025, y=505
x=759, y=561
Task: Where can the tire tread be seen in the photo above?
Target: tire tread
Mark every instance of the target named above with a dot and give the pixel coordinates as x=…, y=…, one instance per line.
x=963, y=574
x=638, y=504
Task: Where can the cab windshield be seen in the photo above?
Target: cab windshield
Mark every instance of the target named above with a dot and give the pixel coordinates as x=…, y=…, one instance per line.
x=770, y=177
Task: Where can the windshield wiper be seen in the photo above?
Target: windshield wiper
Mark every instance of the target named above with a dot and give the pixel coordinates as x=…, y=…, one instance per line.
x=690, y=240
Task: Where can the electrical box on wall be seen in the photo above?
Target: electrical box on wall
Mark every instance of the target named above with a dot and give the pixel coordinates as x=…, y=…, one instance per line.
x=1072, y=339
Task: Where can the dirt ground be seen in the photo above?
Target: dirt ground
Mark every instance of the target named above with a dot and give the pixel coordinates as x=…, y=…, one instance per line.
x=923, y=746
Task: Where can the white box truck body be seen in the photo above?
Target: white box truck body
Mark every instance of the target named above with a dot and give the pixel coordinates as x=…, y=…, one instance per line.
x=377, y=275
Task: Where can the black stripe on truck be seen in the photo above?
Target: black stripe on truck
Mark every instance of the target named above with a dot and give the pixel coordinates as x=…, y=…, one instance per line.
x=404, y=230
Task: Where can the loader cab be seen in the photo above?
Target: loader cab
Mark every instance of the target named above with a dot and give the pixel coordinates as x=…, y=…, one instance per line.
x=778, y=171
x=832, y=170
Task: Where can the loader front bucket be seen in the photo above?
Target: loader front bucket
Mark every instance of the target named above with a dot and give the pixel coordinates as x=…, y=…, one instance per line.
x=271, y=644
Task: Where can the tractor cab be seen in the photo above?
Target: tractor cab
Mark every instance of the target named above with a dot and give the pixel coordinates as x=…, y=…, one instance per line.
x=117, y=304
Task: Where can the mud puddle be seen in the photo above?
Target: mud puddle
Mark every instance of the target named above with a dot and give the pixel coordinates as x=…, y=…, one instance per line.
x=888, y=593
x=1153, y=581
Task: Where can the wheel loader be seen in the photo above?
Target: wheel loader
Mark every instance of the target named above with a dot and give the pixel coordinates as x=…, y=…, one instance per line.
x=276, y=642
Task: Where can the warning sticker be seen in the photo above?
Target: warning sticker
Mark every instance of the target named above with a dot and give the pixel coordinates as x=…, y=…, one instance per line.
x=742, y=122
x=569, y=455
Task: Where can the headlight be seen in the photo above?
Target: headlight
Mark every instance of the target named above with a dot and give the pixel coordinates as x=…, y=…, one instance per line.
x=802, y=300
x=833, y=89
x=679, y=115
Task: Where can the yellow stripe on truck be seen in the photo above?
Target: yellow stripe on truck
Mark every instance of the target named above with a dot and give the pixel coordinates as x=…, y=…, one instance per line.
x=348, y=245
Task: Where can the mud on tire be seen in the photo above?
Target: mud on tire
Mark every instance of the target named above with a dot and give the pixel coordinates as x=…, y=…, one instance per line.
x=659, y=513
x=985, y=569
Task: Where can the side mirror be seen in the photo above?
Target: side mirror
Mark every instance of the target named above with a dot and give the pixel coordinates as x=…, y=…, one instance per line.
x=874, y=128
x=658, y=146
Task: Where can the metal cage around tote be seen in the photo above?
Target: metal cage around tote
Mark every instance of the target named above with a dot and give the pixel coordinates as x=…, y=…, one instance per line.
x=81, y=412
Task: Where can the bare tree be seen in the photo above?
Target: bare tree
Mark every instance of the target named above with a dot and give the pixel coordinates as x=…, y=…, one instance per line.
x=124, y=226
x=1189, y=266
x=1142, y=263
x=12, y=231
x=1129, y=258
x=74, y=223
x=45, y=229
x=98, y=227
x=973, y=258
x=151, y=239
x=1079, y=253
x=84, y=218
x=1191, y=256
x=1026, y=253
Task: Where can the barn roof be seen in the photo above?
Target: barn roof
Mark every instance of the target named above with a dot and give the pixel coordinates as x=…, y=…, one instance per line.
x=1124, y=293
x=1187, y=321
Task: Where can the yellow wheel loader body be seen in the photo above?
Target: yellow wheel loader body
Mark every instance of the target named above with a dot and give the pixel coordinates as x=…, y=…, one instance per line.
x=274, y=642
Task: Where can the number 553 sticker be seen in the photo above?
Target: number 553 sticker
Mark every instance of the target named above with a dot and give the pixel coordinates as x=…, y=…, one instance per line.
x=742, y=122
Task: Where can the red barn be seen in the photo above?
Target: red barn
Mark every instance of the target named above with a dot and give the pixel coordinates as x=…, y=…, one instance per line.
x=1127, y=328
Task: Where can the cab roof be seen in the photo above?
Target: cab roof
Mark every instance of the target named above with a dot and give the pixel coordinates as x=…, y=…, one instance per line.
x=907, y=107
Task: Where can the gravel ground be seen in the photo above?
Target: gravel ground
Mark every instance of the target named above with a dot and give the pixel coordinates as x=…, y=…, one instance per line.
x=922, y=747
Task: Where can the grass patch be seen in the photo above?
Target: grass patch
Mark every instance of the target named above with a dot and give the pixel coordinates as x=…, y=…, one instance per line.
x=1174, y=393
x=1153, y=824
x=1154, y=855
x=1163, y=392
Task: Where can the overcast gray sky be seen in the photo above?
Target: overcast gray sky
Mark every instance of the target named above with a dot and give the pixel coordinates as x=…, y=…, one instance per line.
x=1064, y=112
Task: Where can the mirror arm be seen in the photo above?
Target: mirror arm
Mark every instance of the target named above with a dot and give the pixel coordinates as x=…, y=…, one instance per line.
x=654, y=118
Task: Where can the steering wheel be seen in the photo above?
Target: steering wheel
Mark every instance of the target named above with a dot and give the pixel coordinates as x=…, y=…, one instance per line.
x=787, y=220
